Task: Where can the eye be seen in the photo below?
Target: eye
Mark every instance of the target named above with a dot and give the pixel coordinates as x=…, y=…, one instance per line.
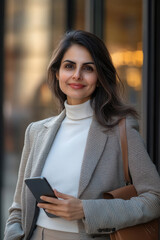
x=69, y=66
x=88, y=68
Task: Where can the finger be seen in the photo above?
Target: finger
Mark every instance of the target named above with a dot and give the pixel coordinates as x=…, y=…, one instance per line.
x=53, y=209
x=50, y=199
x=57, y=213
x=61, y=205
x=67, y=216
x=62, y=195
x=49, y=206
x=43, y=205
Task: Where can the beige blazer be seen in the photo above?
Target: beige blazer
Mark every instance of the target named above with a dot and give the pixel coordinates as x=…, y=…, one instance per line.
x=101, y=171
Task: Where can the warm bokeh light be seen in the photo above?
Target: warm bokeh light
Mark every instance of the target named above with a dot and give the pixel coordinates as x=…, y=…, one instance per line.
x=128, y=58
x=123, y=31
x=133, y=60
x=134, y=77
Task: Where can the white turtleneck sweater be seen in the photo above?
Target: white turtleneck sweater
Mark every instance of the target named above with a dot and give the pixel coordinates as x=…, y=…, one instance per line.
x=63, y=164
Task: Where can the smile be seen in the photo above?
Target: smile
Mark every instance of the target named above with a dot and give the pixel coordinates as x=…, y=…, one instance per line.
x=76, y=85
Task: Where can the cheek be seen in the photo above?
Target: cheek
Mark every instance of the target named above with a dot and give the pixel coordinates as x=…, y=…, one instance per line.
x=62, y=85
x=93, y=86
x=63, y=76
x=93, y=82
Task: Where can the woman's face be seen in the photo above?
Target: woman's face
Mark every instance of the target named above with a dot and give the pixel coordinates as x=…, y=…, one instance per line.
x=77, y=75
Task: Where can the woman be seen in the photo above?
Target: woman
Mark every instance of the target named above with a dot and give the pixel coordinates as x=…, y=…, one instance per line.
x=79, y=153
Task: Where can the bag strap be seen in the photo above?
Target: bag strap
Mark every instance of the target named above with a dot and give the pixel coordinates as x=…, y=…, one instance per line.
x=124, y=148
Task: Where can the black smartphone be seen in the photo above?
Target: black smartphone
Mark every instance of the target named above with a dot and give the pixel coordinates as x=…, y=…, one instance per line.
x=39, y=186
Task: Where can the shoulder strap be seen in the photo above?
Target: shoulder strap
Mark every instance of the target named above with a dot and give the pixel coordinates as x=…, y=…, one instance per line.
x=124, y=148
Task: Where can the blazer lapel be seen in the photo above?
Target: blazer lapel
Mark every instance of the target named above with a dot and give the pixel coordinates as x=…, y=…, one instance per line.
x=42, y=146
x=44, y=141
x=95, y=144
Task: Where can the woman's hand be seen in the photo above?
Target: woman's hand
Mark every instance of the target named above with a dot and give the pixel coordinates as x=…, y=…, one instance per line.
x=67, y=207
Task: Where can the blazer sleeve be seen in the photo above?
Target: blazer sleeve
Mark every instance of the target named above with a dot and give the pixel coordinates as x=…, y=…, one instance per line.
x=102, y=214
x=13, y=229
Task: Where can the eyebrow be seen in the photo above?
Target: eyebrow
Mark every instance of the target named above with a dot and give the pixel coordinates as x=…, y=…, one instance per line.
x=75, y=63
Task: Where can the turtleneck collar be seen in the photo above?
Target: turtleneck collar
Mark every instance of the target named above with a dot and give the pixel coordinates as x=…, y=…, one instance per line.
x=80, y=111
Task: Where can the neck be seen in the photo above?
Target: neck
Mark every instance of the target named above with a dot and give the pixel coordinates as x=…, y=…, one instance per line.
x=80, y=111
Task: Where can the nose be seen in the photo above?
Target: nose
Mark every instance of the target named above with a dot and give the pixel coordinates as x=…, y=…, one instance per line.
x=77, y=74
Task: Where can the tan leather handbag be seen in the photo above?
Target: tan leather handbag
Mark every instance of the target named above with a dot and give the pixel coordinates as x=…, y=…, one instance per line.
x=145, y=231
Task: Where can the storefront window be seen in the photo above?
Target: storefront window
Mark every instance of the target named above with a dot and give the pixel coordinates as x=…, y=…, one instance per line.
x=123, y=36
x=32, y=30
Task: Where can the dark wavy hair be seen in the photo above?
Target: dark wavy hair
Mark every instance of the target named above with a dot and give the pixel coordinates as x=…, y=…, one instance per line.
x=107, y=104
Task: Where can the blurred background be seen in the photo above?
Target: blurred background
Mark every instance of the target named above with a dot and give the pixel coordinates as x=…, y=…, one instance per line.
x=31, y=29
